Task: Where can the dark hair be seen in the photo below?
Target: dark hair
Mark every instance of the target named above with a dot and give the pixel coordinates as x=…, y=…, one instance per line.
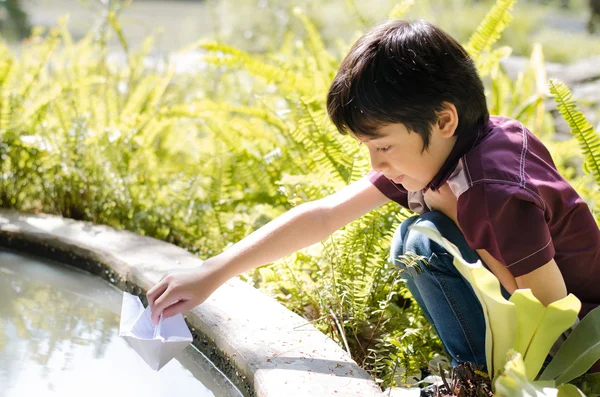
x=403, y=72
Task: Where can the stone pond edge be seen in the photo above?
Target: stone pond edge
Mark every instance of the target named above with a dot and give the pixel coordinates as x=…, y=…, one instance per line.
x=264, y=348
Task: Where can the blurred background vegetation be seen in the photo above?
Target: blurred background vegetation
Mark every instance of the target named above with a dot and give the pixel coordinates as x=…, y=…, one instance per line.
x=198, y=122
x=259, y=25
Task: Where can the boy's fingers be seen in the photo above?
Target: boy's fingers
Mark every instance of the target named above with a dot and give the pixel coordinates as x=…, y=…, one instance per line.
x=159, y=305
x=176, y=308
x=155, y=292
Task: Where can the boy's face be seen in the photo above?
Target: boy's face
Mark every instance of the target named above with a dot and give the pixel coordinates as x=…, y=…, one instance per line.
x=399, y=154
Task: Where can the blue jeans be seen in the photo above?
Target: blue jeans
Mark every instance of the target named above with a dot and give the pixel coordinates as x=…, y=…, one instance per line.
x=446, y=298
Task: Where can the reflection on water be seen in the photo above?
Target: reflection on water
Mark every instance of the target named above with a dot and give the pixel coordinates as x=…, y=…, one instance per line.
x=59, y=337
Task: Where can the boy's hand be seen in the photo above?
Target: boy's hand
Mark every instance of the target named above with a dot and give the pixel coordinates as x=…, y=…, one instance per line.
x=444, y=201
x=179, y=291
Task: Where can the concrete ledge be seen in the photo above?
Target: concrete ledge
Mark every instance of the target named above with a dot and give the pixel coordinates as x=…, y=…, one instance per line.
x=264, y=348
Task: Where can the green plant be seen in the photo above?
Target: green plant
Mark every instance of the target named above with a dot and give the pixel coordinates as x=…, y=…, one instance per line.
x=202, y=159
x=165, y=155
x=521, y=331
x=581, y=128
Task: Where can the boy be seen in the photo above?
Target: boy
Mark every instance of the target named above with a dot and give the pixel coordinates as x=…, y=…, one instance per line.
x=411, y=94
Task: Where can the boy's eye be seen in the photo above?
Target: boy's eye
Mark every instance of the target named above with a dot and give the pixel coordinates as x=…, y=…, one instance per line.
x=383, y=149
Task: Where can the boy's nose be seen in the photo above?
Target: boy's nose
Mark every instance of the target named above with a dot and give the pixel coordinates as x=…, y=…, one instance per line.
x=379, y=166
x=378, y=163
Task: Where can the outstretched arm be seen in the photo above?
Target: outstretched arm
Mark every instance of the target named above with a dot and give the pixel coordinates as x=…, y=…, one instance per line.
x=298, y=228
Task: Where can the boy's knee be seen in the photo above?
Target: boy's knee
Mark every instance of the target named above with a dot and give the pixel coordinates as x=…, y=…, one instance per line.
x=419, y=243
x=436, y=220
x=406, y=240
x=397, y=246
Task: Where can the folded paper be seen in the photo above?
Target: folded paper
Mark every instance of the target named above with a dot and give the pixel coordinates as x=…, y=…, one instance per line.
x=157, y=345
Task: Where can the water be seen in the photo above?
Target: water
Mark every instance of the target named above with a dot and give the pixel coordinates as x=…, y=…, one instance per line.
x=59, y=336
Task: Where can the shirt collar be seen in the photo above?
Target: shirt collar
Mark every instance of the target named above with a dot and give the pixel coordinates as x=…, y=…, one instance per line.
x=464, y=143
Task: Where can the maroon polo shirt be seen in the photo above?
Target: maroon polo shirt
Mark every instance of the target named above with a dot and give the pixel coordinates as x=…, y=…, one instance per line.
x=513, y=203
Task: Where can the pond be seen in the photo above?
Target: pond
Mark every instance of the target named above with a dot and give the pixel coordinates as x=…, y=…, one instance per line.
x=59, y=336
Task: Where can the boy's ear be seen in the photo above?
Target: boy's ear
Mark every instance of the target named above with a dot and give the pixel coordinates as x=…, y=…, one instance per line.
x=447, y=120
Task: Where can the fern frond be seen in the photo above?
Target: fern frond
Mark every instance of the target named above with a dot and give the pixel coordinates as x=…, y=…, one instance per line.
x=538, y=66
x=138, y=98
x=287, y=81
x=491, y=28
x=353, y=9
x=589, y=141
x=326, y=149
x=529, y=106
x=323, y=58
x=49, y=47
x=112, y=19
x=137, y=62
x=207, y=108
x=6, y=65
x=67, y=39
x=41, y=102
x=486, y=64
x=400, y=9
x=362, y=250
x=6, y=110
x=360, y=164
x=160, y=88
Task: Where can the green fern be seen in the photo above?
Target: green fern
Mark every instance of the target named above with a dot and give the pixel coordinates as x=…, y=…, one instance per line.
x=202, y=160
x=112, y=19
x=489, y=30
x=490, y=62
x=588, y=138
x=289, y=82
x=6, y=111
x=324, y=59
x=218, y=110
x=401, y=9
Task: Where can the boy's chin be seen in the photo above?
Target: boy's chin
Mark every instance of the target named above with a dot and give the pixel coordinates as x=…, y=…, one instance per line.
x=413, y=186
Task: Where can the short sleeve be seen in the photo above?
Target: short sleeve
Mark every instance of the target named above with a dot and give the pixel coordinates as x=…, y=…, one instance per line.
x=506, y=221
x=391, y=190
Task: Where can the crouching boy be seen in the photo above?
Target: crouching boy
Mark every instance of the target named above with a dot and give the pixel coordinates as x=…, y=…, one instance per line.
x=411, y=94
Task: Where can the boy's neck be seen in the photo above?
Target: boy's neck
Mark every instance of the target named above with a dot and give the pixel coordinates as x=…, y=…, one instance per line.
x=462, y=145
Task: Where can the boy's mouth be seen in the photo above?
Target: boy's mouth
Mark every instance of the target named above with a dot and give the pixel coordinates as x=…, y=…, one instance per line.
x=398, y=179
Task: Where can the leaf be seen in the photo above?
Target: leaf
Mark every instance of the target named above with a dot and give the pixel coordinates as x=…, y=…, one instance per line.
x=539, y=326
x=287, y=80
x=487, y=63
x=589, y=140
x=568, y=390
x=500, y=314
x=112, y=18
x=315, y=42
x=41, y=102
x=267, y=274
x=579, y=352
x=400, y=9
x=514, y=381
x=491, y=28
x=538, y=67
x=589, y=384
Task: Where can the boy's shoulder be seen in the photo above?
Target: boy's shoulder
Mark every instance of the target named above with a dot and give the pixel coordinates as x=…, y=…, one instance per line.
x=504, y=153
x=501, y=152
x=513, y=202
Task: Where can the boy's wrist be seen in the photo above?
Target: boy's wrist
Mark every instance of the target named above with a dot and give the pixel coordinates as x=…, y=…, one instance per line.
x=217, y=269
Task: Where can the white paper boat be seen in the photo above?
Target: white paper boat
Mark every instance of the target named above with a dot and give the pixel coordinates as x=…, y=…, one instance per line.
x=157, y=345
